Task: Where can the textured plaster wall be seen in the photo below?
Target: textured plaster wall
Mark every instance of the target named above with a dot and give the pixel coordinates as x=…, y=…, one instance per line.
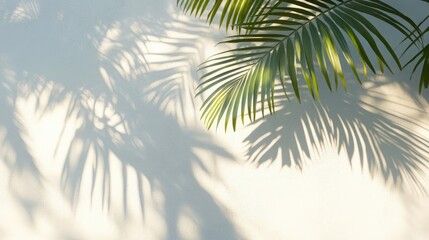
x=100, y=138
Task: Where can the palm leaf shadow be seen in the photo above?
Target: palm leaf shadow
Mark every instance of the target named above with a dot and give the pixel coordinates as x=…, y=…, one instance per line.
x=134, y=126
x=158, y=150
x=125, y=107
x=387, y=143
x=15, y=152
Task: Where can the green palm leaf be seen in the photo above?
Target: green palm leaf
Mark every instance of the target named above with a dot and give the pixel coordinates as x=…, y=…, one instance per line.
x=231, y=12
x=421, y=59
x=282, y=42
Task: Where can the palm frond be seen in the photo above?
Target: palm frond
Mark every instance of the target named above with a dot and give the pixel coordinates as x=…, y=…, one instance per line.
x=282, y=42
x=421, y=59
x=230, y=13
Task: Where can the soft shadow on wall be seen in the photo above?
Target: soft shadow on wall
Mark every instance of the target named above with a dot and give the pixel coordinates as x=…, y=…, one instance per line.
x=126, y=72
x=15, y=153
x=382, y=124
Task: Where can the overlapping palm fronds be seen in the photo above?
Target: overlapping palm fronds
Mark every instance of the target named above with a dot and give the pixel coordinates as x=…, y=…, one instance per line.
x=232, y=12
x=421, y=59
x=287, y=39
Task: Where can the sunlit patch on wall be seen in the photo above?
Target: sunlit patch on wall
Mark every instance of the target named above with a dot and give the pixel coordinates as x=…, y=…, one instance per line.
x=7, y=153
x=25, y=10
x=103, y=114
x=187, y=224
x=110, y=83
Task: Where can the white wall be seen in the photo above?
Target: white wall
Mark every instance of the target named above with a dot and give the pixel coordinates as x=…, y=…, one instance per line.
x=100, y=138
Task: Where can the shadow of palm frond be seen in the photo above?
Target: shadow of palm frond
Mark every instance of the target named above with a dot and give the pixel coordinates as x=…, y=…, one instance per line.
x=137, y=134
x=388, y=142
x=163, y=64
x=127, y=121
x=124, y=71
x=15, y=151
